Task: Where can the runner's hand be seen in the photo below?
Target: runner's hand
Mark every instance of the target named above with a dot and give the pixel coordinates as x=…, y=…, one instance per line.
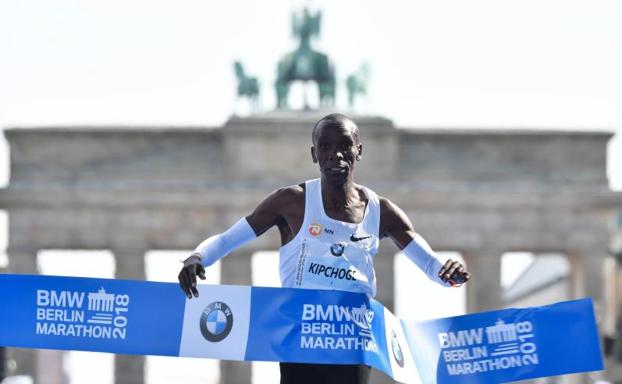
x=188, y=275
x=453, y=272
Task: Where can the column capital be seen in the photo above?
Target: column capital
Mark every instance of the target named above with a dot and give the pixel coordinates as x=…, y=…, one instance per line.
x=600, y=251
x=22, y=248
x=493, y=252
x=128, y=247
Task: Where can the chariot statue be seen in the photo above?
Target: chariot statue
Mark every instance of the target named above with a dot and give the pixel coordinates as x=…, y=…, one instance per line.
x=306, y=64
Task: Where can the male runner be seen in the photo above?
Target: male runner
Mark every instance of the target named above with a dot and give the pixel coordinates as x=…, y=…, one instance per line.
x=330, y=229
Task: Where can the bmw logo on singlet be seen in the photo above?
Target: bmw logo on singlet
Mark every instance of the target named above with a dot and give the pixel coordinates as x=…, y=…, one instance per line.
x=337, y=249
x=397, y=350
x=216, y=321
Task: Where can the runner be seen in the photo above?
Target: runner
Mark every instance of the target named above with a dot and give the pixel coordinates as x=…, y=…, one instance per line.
x=330, y=230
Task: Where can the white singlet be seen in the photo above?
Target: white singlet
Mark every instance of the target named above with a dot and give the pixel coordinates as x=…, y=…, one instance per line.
x=332, y=254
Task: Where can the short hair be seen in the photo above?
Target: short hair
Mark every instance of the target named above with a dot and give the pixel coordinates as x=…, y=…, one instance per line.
x=335, y=120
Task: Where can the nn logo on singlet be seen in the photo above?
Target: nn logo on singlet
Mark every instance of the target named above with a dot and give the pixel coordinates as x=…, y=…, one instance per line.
x=315, y=229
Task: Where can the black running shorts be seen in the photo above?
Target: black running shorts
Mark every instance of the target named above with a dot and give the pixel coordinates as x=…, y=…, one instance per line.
x=294, y=373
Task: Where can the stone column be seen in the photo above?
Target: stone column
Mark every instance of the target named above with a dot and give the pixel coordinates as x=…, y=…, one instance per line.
x=50, y=367
x=130, y=264
x=23, y=259
x=587, y=273
x=484, y=288
x=617, y=352
x=236, y=270
x=3, y=372
x=384, y=265
x=588, y=278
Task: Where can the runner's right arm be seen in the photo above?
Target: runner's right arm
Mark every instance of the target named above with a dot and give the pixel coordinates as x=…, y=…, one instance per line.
x=214, y=248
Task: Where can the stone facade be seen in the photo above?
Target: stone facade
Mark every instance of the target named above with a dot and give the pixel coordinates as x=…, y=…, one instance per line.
x=133, y=189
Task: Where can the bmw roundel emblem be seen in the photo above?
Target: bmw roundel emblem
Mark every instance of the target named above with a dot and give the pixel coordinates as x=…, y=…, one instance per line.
x=397, y=350
x=337, y=249
x=216, y=321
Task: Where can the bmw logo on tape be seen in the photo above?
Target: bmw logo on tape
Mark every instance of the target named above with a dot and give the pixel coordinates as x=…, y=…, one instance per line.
x=216, y=321
x=397, y=350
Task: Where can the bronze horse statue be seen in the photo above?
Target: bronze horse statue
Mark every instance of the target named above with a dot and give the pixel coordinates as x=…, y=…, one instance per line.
x=356, y=84
x=247, y=86
x=306, y=64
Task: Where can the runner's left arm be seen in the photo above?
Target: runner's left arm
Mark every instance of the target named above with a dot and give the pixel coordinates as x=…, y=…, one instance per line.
x=395, y=224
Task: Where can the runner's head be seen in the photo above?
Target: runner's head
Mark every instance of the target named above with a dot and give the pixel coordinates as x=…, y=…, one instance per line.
x=336, y=147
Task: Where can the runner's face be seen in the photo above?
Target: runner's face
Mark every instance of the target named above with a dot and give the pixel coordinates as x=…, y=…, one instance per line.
x=336, y=150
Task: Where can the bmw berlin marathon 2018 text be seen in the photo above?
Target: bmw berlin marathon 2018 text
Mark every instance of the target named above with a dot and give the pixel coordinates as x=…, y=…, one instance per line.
x=295, y=325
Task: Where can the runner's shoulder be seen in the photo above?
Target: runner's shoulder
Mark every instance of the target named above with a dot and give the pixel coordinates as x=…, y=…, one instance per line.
x=285, y=196
x=389, y=211
x=386, y=205
x=291, y=192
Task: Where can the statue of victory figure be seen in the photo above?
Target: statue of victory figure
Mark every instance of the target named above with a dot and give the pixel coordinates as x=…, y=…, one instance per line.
x=305, y=63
